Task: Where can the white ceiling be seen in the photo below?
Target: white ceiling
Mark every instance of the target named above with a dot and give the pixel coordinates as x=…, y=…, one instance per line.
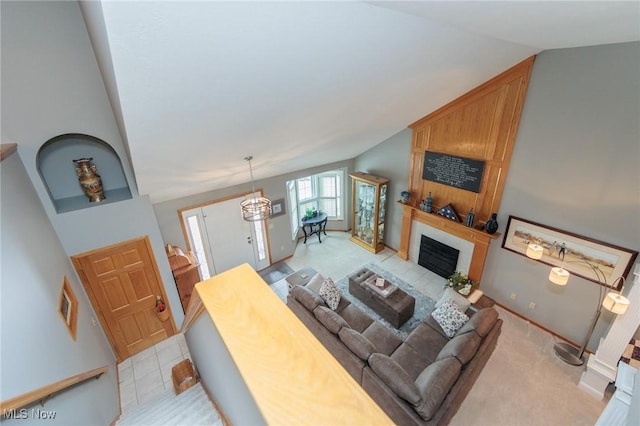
x=197, y=86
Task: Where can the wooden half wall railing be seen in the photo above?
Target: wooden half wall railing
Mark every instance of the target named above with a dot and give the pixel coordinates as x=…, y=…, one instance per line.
x=44, y=393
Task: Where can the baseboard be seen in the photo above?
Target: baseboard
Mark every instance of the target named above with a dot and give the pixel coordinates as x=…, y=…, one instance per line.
x=221, y=413
x=542, y=327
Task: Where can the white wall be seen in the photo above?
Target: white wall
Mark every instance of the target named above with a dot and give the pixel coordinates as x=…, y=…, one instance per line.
x=390, y=159
x=574, y=167
x=51, y=85
x=36, y=348
x=280, y=242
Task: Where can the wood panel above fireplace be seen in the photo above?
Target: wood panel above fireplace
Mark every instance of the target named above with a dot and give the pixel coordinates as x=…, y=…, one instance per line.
x=480, y=125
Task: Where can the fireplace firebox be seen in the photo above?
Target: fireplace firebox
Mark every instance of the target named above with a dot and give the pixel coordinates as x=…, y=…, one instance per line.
x=437, y=257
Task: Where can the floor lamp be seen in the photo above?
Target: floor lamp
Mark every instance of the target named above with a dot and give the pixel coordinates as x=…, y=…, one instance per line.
x=612, y=301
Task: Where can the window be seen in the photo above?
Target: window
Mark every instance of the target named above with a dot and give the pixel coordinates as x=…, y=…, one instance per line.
x=324, y=191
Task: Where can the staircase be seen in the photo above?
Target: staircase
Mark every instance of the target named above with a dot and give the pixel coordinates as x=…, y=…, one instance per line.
x=191, y=407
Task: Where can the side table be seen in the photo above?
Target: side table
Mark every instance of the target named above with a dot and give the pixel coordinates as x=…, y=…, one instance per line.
x=316, y=224
x=301, y=277
x=479, y=300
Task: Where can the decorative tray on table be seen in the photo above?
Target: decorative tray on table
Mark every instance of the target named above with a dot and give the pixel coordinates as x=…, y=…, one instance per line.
x=380, y=286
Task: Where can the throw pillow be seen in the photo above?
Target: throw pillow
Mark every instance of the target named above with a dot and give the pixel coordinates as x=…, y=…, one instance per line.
x=434, y=384
x=315, y=282
x=357, y=343
x=330, y=293
x=395, y=377
x=463, y=347
x=450, y=317
x=481, y=322
x=306, y=297
x=451, y=294
x=332, y=321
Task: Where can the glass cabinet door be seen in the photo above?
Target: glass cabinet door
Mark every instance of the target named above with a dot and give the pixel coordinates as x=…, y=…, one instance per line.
x=368, y=210
x=365, y=196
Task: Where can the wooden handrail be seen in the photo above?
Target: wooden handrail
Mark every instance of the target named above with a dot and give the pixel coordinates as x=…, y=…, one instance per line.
x=44, y=393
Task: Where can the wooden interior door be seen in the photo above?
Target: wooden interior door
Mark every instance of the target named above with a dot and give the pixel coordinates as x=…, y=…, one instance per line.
x=122, y=282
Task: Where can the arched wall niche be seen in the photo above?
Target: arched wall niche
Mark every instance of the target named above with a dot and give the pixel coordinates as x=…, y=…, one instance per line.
x=55, y=165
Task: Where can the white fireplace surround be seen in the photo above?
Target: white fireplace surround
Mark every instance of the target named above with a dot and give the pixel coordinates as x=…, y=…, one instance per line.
x=463, y=246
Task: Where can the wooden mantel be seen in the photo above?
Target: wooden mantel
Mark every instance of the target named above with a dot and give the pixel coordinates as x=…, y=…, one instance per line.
x=479, y=238
x=480, y=125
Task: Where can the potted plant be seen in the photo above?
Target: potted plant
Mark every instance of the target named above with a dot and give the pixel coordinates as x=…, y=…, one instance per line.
x=461, y=283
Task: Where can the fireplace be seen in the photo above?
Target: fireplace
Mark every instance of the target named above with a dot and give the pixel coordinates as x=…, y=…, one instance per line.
x=437, y=257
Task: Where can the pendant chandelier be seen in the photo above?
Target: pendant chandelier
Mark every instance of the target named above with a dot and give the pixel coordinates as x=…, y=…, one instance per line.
x=255, y=208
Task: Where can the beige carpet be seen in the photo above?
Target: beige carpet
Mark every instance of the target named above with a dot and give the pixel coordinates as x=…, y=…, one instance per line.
x=522, y=384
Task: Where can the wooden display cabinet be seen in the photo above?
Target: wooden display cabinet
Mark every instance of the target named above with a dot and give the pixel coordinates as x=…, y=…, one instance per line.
x=368, y=210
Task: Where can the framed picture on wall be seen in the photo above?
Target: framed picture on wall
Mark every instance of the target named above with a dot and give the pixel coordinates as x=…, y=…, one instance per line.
x=68, y=308
x=570, y=251
x=277, y=208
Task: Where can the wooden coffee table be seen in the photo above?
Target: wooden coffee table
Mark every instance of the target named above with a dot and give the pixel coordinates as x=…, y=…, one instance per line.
x=396, y=308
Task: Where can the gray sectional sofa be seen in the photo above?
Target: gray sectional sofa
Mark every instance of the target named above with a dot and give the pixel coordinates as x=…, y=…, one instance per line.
x=422, y=379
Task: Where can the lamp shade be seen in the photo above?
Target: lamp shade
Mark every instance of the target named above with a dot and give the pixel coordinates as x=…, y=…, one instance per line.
x=256, y=209
x=616, y=303
x=559, y=276
x=534, y=251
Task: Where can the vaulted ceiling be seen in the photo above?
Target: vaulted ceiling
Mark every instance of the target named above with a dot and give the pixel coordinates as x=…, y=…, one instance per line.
x=197, y=86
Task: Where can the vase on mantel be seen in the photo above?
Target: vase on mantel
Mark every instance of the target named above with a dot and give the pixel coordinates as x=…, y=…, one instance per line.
x=492, y=224
x=89, y=179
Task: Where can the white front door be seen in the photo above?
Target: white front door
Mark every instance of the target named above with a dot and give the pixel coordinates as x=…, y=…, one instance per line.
x=233, y=241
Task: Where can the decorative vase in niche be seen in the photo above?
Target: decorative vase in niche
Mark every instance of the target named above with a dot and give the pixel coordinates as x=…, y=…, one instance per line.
x=492, y=224
x=404, y=196
x=89, y=179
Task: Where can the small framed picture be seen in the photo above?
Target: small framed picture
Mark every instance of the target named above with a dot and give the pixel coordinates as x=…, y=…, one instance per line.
x=68, y=308
x=380, y=282
x=277, y=208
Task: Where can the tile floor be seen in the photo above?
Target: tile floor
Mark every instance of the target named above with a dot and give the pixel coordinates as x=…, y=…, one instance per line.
x=147, y=374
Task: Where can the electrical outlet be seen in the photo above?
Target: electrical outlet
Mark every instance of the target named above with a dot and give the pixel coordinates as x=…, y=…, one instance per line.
x=532, y=305
x=513, y=296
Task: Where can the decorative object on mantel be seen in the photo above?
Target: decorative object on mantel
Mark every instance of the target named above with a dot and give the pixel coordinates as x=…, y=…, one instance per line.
x=461, y=283
x=612, y=301
x=426, y=204
x=255, y=209
x=469, y=219
x=492, y=224
x=404, y=196
x=89, y=179
x=555, y=247
x=448, y=212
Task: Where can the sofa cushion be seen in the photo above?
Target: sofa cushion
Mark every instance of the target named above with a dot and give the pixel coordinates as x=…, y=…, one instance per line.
x=434, y=384
x=481, y=322
x=332, y=321
x=411, y=360
x=450, y=317
x=315, y=282
x=463, y=347
x=395, y=377
x=357, y=343
x=427, y=339
x=356, y=317
x=385, y=341
x=450, y=294
x=330, y=293
x=306, y=297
